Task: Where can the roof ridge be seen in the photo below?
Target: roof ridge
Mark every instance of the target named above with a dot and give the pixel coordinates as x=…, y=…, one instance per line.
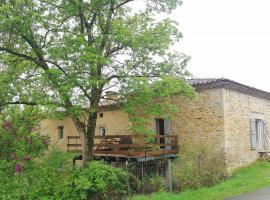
x=211, y=83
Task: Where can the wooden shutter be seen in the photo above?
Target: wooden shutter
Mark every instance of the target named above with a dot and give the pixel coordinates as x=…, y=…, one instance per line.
x=265, y=137
x=167, y=131
x=167, y=127
x=157, y=126
x=253, y=135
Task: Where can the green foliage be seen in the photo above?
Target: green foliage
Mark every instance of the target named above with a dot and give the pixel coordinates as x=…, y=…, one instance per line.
x=64, y=56
x=244, y=180
x=197, y=167
x=52, y=177
x=100, y=181
x=19, y=138
x=154, y=183
x=45, y=178
x=147, y=100
x=29, y=171
x=26, y=172
x=77, y=44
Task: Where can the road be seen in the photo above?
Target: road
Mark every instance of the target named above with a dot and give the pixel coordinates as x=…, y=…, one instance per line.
x=262, y=194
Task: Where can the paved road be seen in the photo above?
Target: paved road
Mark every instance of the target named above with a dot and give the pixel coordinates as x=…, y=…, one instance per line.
x=262, y=194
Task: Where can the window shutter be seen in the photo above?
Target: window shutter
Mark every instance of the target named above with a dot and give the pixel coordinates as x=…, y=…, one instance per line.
x=253, y=138
x=265, y=135
x=167, y=127
x=167, y=130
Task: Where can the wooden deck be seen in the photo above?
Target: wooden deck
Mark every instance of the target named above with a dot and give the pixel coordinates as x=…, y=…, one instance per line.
x=131, y=147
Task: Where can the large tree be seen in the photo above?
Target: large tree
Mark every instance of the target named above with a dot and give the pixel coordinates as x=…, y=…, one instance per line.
x=65, y=54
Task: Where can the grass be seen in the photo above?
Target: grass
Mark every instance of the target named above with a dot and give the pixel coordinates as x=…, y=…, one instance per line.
x=244, y=180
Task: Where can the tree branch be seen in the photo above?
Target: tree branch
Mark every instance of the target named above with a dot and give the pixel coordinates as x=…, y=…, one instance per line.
x=66, y=74
x=18, y=103
x=18, y=54
x=113, y=50
x=121, y=4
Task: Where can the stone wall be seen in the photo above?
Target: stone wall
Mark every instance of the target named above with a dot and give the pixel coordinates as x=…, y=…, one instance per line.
x=49, y=127
x=199, y=123
x=200, y=126
x=115, y=122
x=239, y=109
x=218, y=119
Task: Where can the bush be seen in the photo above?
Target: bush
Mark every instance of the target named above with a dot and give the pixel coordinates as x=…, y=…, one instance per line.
x=154, y=183
x=97, y=180
x=20, y=141
x=50, y=178
x=45, y=178
x=197, y=167
x=53, y=178
x=29, y=172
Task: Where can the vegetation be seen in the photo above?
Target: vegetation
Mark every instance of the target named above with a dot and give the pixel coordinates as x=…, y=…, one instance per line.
x=64, y=55
x=29, y=172
x=197, y=167
x=19, y=140
x=244, y=180
x=99, y=181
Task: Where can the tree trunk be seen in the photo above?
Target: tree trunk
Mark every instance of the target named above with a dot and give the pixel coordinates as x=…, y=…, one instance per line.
x=91, y=126
x=86, y=151
x=81, y=128
x=87, y=132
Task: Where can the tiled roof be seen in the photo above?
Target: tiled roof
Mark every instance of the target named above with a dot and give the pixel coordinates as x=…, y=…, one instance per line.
x=110, y=106
x=210, y=83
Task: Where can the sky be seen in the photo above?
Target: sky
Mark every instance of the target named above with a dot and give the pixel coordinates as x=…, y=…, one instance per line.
x=227, y=38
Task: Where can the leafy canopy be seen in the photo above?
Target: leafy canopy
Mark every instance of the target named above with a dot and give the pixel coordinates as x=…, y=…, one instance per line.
x=65, y=54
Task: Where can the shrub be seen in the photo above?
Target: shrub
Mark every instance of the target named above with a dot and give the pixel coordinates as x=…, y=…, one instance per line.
x=197, y=167
x=19, y=139
x=154, y=183
x=97, y=180
x=26, y=171
x=50, y=178
x=45, y=178
x=29, y=172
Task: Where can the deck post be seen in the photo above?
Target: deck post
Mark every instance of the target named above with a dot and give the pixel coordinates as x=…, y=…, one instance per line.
x=128, y=185
x=169, y=175
x=143, y=178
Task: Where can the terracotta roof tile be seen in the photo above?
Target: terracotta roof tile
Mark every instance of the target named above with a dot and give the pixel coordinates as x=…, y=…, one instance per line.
x=201, y=84
x=211, y=83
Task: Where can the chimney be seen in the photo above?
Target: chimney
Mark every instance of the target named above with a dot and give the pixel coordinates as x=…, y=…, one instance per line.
x=111, y=97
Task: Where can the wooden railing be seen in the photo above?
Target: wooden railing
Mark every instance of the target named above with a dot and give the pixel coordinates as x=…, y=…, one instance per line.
x=129, y=145
x=74, y=143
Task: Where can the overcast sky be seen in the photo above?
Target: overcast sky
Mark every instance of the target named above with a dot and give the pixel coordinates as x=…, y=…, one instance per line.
x=227, y=38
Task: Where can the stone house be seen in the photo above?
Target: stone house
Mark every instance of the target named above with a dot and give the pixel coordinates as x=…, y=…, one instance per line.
x=228, y=117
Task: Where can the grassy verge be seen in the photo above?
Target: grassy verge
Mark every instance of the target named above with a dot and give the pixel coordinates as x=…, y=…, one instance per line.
x=244, y=180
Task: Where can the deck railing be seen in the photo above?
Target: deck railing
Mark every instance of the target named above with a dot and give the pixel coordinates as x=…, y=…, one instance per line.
x=132, y=146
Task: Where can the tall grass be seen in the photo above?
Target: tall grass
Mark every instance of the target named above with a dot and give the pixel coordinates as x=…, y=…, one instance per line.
x=244, y=180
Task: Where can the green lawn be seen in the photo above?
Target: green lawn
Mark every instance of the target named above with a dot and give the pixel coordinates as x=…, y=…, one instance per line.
x=244, y=180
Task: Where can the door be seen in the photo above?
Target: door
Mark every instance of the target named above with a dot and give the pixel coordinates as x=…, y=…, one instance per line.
x=163, y=128
x=160, y=130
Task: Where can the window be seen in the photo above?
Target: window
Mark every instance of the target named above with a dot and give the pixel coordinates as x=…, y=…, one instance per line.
x=102, y=131
x=60, y=132
x=163, y=128
x=259, y=134
x=100, y=114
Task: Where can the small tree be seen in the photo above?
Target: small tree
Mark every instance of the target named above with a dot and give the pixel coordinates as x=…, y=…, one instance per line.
x=65, y=54
x=19, y=138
